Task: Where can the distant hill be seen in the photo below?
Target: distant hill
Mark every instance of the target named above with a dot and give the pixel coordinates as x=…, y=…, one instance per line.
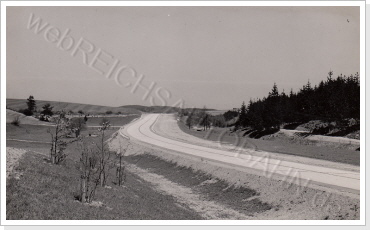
x=153, y=109
x=168, y=109
x=17, y=104
x=215, y=112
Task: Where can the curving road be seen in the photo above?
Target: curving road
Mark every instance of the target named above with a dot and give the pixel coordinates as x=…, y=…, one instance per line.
x=296, y=172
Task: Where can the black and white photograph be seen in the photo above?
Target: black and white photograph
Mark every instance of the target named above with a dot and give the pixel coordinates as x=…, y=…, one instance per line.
x=134, y=113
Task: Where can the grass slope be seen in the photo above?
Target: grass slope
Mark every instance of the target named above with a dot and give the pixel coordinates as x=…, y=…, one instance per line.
x=280, y=145
x=23, y=119
x=47, y=193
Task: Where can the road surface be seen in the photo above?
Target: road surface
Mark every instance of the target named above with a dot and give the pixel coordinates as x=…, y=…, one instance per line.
x=148, y=130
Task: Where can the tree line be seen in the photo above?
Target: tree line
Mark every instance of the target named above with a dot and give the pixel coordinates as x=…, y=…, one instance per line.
x=196, y=117
x=335, y=99
x=200, y=118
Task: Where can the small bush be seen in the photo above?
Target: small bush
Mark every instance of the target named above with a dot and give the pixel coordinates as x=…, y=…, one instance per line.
x=44, y=118
x=108, y=112
x=104, y=120
x=16, y=121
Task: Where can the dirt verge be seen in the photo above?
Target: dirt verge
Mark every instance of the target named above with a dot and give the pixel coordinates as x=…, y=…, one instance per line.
x=12, y=157
x=212, y=198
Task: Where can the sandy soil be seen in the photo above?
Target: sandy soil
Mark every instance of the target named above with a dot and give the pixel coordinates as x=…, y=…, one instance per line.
x=12, y=157
x=322, y=138
x=186, y=196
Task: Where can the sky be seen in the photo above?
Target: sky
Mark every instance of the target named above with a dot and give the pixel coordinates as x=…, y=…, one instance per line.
x=216, y=57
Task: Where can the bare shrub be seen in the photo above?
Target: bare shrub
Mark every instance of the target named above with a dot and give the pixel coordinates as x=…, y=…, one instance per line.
x=104, y=154
x=58, y=144
x=89, y=173
x=76, y=125
x=120, y=171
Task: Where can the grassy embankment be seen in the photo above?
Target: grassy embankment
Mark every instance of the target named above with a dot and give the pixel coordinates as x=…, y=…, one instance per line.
x=46, y=191
x=283, y=145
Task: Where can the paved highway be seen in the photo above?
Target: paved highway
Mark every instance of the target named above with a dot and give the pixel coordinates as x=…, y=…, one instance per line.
x=297, y=172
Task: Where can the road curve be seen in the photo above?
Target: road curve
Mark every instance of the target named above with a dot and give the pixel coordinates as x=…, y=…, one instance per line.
x=142, y=130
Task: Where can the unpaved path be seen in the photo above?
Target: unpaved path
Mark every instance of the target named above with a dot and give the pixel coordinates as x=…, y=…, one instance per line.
x=186, y=196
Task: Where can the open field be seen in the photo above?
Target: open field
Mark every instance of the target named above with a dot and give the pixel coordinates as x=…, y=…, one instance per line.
x=36, y=133
x=28, y=132
x=17, y=104
x=36, y=137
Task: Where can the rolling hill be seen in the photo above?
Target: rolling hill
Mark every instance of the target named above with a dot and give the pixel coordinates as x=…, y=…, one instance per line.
x=23, y=119
x=152, y=109
x=18, y=104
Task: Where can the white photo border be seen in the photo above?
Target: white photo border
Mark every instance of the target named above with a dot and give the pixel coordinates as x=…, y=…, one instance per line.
x=4, y=5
